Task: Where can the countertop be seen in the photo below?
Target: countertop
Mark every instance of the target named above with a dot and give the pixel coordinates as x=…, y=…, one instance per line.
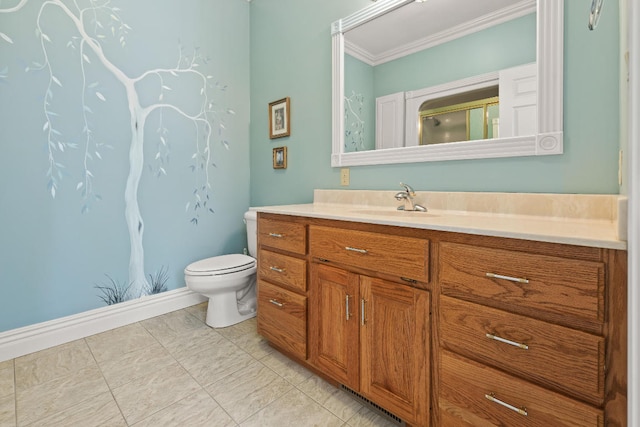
x=593, y=232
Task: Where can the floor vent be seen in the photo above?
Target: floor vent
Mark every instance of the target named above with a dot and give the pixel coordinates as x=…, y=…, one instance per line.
x=375, y=408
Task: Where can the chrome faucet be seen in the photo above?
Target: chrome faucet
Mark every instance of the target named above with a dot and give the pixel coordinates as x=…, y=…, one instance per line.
x=407, y=196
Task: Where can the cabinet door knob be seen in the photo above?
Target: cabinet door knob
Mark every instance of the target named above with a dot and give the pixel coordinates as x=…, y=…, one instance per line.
x=363, y=318
x=492, y=397
x=278, y=235
x=276, y=302
x=276, y=269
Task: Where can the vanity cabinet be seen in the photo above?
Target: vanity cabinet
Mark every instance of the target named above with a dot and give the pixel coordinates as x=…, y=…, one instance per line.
x=371, y=334
x=282, y=284
x=449, y=329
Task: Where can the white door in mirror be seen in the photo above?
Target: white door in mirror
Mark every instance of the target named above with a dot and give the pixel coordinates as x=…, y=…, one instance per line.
x=518, y=89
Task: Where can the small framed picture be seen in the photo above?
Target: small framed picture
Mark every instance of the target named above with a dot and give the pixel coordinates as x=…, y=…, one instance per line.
x=280, y=158
x=279, y=115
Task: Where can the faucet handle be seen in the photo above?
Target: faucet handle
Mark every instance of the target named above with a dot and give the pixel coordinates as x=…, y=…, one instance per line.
x=408, y=189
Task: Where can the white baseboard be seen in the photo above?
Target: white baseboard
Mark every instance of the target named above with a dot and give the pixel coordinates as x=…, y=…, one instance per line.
x=21, y=341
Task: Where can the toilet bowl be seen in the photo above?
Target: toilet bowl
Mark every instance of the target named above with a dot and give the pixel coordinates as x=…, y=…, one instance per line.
x=229, y=281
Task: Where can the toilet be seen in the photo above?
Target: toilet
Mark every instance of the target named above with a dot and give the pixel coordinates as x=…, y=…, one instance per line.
x=229, y=281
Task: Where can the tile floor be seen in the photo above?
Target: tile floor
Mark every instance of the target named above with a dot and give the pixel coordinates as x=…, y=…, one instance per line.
x=171, y=370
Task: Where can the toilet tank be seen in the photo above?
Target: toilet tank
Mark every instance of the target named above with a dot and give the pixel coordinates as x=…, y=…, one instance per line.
x=251, y=219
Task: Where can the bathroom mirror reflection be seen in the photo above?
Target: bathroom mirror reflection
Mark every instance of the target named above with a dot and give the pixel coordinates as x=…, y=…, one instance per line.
x=394, y=58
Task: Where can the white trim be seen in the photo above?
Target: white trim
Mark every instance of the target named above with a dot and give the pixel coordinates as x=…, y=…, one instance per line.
x=21, y=341
x=549, y=138
x=633, y=282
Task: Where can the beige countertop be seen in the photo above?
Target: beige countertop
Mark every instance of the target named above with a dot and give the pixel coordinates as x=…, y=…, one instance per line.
x=575, y=222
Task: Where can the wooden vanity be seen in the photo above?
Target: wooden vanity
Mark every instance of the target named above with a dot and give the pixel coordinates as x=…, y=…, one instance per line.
x=445, y=328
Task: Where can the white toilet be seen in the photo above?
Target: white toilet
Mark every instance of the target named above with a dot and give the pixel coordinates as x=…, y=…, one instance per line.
x=229, y=281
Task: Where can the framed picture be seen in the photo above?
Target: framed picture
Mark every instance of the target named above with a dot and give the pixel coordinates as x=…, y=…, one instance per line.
x=279, y=114
x=280, y=158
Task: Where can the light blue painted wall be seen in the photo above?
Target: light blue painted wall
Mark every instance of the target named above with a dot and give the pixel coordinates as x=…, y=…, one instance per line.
x=502, y=46
x=301, y=69
x=52, y=254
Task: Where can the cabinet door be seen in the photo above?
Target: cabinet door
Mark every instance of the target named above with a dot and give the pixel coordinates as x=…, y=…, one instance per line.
x=395, y=348
x=334, y=323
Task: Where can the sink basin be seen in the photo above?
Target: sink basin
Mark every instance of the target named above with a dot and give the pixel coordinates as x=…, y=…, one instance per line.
x=393, y=212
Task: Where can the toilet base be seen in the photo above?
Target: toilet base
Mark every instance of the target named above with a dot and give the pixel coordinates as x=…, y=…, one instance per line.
x=222, y=311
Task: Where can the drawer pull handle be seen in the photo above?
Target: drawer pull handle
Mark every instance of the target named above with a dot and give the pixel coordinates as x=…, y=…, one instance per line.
x=346, y=308
x=276, y=269
x=278, y=235
x=506, y=341
x=512, y=279
x=360, y=251
x=276, y=302
x=521, y=411
x=363, y=319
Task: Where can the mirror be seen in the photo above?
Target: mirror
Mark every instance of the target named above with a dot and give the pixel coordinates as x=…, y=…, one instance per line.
x=355, y=120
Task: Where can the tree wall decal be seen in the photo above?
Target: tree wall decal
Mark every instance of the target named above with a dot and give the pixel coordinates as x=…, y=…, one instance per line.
x=96, y=23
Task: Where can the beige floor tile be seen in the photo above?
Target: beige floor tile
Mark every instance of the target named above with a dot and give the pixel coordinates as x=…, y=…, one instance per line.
x=216, y=363
x=199, y=311
x=368, y=418
x=170, y=326
x=233, y=332
x=196, y=410
x=52, y=363
x=294, y=409
x=192, y=342
x=286, y=368
x=7, y=387
x=54, y=396
x=110, y=344
x=254, y=344
x=248, y=390
x=330, y=397
x=7, y=411
x=149, y=394
x=94, y=412
x=129, y=366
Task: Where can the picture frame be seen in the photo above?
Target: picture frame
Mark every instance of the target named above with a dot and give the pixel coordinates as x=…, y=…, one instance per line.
x=280, y=158
x=279, y=118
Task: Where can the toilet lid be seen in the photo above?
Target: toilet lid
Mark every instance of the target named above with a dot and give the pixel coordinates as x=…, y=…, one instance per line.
x=219, y=265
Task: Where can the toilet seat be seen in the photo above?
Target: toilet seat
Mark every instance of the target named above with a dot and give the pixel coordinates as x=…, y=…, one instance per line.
x=220, y=265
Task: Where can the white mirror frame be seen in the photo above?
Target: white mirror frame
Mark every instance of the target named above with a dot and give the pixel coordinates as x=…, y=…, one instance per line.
x=547, y=141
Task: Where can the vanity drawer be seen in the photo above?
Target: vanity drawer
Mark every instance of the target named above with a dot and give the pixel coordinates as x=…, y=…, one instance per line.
x=396, y=255
x=565, y=359
x=530, y=283
x=472, y=395
x=283, y=270
x=282, y=318
x=288, y=236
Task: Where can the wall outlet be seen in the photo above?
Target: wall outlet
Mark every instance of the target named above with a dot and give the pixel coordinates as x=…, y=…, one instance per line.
x=344, y=176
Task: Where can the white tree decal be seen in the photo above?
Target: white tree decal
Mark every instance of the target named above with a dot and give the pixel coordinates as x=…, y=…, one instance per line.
x=96, y=22
x=354, y=125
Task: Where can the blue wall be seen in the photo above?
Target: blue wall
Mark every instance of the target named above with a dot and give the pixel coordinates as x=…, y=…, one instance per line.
x=502, y=46
x=55, y=250
x=303, y=71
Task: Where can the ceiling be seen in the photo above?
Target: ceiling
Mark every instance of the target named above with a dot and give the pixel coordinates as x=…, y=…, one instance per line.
x=427, y=23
